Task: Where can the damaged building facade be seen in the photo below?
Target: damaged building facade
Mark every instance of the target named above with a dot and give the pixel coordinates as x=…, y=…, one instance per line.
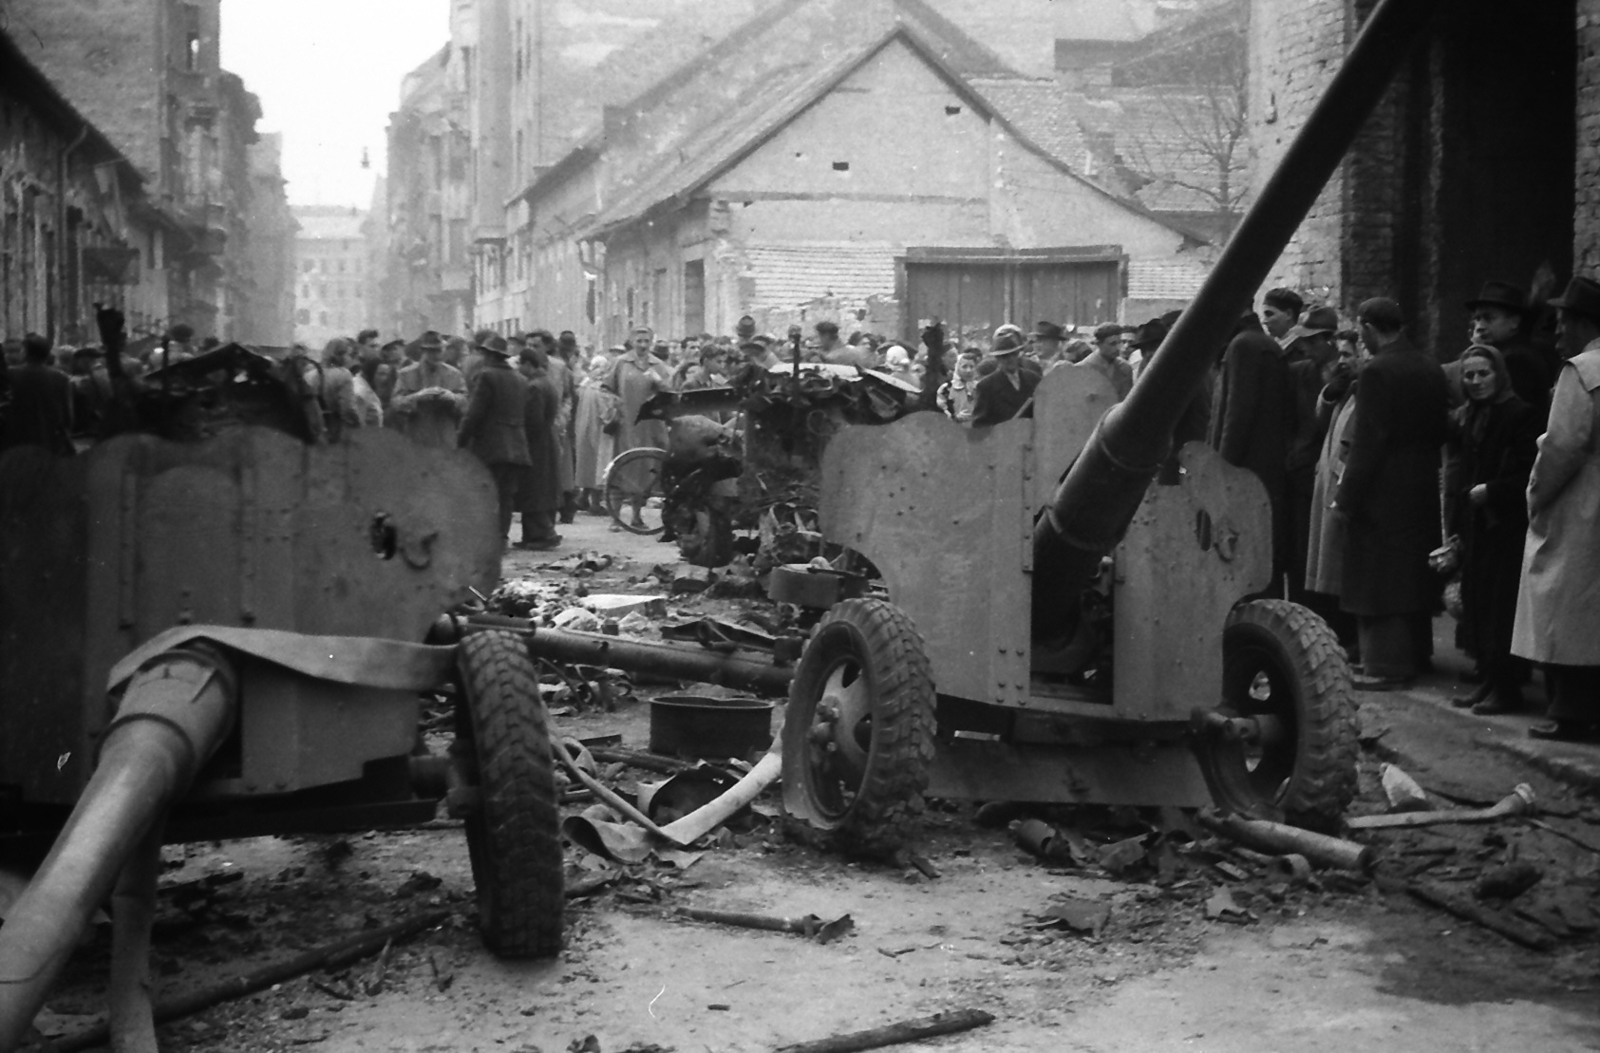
x=146, y=75
x=76, y=225
x=1482, y=162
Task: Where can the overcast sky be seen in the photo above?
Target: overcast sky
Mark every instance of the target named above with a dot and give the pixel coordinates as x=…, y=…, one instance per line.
x=328, y=75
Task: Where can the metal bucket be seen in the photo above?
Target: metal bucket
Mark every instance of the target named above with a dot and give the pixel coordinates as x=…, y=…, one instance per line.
x=702, y=726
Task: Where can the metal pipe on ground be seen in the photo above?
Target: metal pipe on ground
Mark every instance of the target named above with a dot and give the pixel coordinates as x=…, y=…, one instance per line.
x=1096, y=501
x=611, y=652
x=174, y=713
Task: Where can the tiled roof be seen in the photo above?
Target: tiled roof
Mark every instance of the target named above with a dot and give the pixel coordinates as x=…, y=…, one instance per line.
x=788, y=275
x=1165, y=280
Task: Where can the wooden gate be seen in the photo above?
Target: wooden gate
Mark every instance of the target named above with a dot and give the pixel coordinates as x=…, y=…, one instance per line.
x=972, y=291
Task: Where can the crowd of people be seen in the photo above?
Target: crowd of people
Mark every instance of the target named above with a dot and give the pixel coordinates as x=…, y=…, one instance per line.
x=1395, y=476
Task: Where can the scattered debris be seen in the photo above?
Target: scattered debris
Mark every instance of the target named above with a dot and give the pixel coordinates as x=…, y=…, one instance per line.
x=810, y=926
x=443, y=976
x=1279, y=839
x=892, y=1034
x=1509, y=927
x=419, y=881
x=1402, y=790
x=329, y=956
x=1508, y=881
x=1073, y=914
x=1221, y=906
x=1519, y=802
x=1124, y=855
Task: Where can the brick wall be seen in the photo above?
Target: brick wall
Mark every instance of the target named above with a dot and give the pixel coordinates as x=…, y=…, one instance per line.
x=100, y=54
x=1295, y=48
x=1586, y=215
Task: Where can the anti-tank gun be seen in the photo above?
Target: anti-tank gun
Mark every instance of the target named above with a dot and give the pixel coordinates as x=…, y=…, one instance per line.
x=215, y=624
x=1061, y=630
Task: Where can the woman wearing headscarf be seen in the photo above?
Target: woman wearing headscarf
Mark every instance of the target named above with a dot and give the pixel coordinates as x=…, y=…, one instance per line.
x=1493, y=440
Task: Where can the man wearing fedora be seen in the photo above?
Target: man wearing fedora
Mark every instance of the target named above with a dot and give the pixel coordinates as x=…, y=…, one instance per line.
x=429, y=396
x=1500, y=319
x=1049, y=340
x=1558, y=601
x=494, y=422
x=1002, y=394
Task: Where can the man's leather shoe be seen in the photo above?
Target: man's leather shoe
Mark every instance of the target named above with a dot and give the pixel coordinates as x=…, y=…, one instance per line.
x=1562, y=731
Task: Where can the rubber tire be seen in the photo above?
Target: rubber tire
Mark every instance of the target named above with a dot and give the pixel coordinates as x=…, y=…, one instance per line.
x=616, y=501
x=886, y=811
x=1312, y=781
x=713, y=534
x=514, y=833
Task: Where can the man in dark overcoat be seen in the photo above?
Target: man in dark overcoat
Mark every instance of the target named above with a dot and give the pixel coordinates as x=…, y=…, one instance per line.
x=40, y=413
x=1389, y=496
x=1002, y=394
x=1253, y=420
x=541, y=488
x=493, y=427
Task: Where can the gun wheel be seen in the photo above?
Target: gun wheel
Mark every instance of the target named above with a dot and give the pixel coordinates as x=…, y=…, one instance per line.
x=1285, y=676
x=858, y=736
x=514, y=829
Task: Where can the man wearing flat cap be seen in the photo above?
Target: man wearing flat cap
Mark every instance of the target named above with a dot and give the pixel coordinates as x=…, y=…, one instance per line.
x=493, y=427
x=1002, y=394
x=1500, y=319
x=1107, y=359
x=429, y=396
x=1558, y=601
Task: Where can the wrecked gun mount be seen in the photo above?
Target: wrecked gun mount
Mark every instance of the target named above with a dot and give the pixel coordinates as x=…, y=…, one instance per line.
x=308, y=575
x=1061, y=630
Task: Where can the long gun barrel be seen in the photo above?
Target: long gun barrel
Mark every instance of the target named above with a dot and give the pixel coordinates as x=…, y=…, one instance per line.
x=1096, y=501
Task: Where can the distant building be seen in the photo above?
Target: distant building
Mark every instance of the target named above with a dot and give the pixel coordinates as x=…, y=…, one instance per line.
x=426, y=276
x=146, y=73
x=882, y=182
x=331, y=279
x=77, y=226
x=267, y=315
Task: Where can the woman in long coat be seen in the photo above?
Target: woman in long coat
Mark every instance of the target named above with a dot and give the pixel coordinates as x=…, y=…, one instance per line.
x=1493, y=440
x=1336, y=406
x=594, y=447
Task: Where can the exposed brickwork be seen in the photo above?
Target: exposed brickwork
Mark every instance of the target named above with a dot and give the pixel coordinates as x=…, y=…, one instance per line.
x=1586, y=217
x=1296, y=46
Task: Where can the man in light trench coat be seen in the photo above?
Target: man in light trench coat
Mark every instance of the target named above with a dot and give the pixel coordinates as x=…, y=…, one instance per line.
x=1558, y=603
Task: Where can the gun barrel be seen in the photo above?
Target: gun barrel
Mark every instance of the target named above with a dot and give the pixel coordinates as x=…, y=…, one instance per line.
x=173, y=715
x=1102, y=490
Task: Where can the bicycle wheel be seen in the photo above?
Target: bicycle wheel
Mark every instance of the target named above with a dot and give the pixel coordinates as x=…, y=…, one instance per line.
x=634, y=489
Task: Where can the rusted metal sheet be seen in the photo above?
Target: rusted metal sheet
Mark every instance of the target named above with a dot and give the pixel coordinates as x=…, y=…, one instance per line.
x=1192, y=552
x=374, y=537
x=938, y=509
x=1147, y=774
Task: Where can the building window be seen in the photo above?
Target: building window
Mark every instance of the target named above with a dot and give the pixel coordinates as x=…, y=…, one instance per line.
x=191, y=37
x=323, y=318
